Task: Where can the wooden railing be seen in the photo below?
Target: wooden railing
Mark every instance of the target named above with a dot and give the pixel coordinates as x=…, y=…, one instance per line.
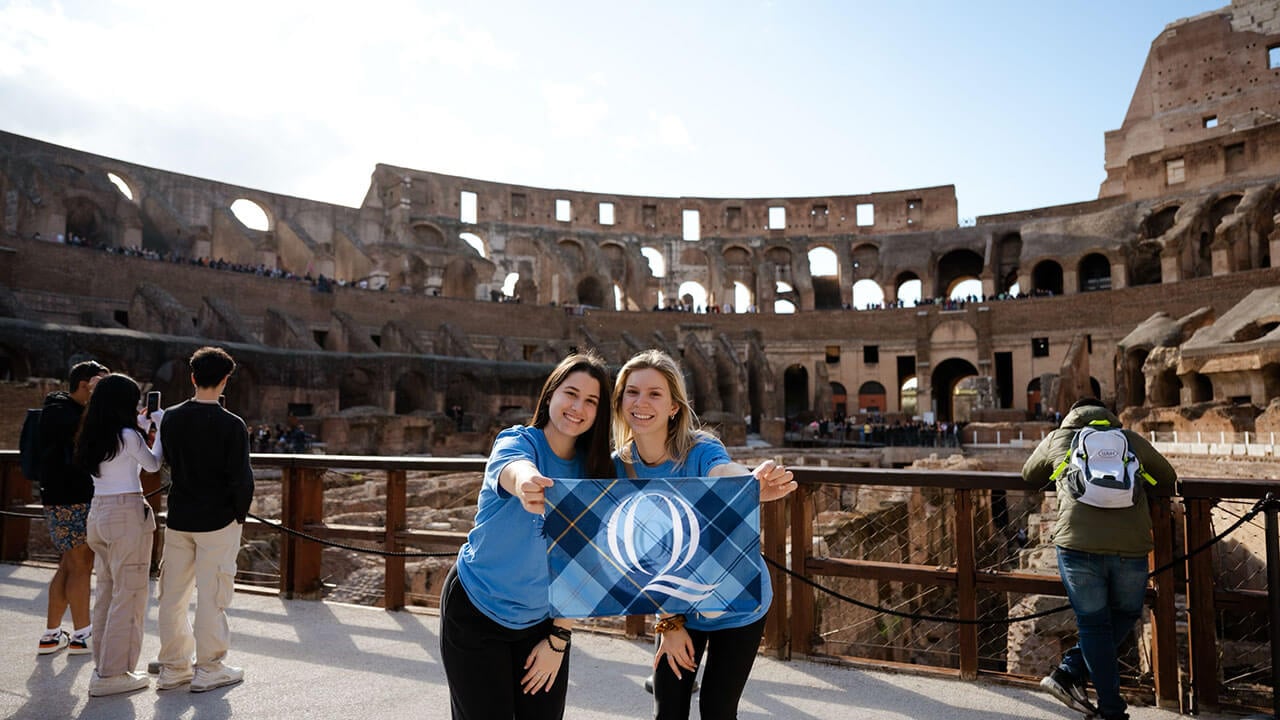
x=787, y=540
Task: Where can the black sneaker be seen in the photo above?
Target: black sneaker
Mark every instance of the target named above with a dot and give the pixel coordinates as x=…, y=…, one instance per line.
x=1071, y=693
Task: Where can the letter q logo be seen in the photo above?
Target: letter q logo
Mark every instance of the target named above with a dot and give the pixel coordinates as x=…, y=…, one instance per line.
x=656, y=535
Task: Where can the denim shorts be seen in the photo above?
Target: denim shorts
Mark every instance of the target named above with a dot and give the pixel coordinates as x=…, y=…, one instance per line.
x=66, y=525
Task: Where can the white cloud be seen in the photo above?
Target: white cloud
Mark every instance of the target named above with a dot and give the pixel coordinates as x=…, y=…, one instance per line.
x=571, y=113
x=670, y=130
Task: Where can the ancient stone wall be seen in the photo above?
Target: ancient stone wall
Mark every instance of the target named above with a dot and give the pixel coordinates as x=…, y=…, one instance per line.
x=1207, y=80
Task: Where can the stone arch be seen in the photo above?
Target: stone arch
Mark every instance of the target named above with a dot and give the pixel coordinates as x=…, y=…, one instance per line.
x=572, y=255
x=462, y=394
x=414, y=273
x=1144, y=264
x=1094, y=273
x=839, y=400
x=123, y=182
x=357, y=387
x=795, y=391
x=476, y=242
x=946, y=376
x=778, y=260
x=1158, y=222
x=1220, y=209
x=247, y=211
x=427, y=235
x=592, y=291
x=460, y=279
x=867, y=293
x=86, y=220
x=1033, y=397
x=826, y=288
x=907, y=393
x=1046, y=277
x=872, y=397
x=956, y=267
x=1008, y=257
x=901, y=282
x=614, y=260
x=865, y=261
x=412, y=393
x=740, y=269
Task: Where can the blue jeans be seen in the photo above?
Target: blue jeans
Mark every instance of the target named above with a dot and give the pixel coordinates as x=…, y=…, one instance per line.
x=1106, y=593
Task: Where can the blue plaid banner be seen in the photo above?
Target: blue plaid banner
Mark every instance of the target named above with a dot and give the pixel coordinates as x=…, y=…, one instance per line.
x=636, y=546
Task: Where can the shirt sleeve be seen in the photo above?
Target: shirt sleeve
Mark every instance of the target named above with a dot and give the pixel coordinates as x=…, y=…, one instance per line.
x=148, y=458
x=241, y=473
x=709, y=453
x=511, y=444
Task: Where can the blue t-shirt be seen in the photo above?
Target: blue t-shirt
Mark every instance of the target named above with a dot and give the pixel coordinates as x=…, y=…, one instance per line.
x=503, y=564
x=706, y=454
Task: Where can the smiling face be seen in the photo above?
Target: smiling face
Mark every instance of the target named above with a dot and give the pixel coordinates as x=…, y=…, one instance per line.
x=646, y=404
x=572, y=410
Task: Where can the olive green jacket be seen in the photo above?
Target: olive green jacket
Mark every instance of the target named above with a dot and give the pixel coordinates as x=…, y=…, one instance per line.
x=1105, y=531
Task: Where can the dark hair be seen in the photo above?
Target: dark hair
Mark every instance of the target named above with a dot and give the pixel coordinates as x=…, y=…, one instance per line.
x=84, y=372
x=210, y=365
x=1087, y=402
x=594, y=442
x=112, y=409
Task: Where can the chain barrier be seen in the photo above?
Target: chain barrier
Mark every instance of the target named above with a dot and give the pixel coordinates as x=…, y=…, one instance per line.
x=1252, y=513
x=330, y=543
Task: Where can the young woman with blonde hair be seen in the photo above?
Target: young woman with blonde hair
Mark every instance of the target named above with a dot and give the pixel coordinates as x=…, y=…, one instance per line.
x=656, y=434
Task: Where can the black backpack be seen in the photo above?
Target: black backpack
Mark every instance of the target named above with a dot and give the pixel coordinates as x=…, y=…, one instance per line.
x=29, y=445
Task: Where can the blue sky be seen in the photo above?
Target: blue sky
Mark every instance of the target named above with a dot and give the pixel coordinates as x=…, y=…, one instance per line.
x=1007, y=101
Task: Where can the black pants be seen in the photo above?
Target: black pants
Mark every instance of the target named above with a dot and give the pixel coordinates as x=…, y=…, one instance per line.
x=730, y=654
x=484, y=662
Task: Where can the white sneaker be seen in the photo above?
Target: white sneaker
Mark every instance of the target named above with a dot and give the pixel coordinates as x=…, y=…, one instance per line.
x=210, y=679
x=80, y=644
x=173, y=679
x=122, y=683
x=50, y=644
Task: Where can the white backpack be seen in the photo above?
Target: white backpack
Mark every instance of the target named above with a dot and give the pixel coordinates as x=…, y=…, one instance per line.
x=1101, y=470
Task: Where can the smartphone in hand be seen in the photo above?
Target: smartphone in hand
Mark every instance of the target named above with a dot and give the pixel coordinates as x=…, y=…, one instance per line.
x=153, y=401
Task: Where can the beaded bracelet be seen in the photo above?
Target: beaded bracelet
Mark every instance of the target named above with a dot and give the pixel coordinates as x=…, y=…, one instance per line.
x=673, y=622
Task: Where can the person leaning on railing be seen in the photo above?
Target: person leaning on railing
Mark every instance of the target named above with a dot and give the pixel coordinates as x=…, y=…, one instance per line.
x=1102, y=558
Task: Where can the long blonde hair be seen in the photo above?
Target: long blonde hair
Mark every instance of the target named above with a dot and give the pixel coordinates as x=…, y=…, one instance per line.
x=683, y=431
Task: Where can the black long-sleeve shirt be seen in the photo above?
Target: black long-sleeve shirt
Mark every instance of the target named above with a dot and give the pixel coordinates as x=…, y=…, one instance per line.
x=207, y=449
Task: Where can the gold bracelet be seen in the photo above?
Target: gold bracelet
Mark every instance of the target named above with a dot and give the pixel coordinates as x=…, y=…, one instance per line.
x=673, y=622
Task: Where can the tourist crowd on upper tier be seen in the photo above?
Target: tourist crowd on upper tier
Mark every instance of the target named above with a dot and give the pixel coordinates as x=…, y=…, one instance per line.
x=322, y=283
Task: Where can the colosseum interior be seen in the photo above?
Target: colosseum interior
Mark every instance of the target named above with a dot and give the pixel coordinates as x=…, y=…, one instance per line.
x=375, y=325
x=426, y=319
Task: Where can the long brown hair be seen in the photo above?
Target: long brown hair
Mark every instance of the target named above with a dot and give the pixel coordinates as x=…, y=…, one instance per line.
x=683, y=431
x=594, y=443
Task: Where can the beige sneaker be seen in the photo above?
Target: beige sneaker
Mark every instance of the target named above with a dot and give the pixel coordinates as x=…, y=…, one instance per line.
x=209, y=679
x=122, y=683
x=173, y=679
